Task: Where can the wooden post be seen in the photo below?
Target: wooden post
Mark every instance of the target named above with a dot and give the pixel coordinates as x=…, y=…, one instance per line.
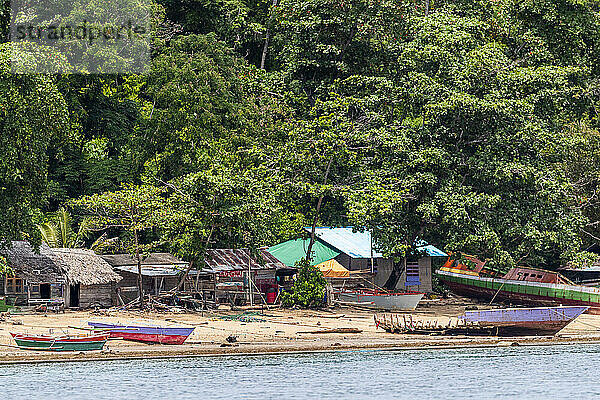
x=139, y=265
x=250, y=294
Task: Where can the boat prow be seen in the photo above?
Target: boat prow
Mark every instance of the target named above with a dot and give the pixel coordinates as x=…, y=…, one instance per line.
x=521, y=321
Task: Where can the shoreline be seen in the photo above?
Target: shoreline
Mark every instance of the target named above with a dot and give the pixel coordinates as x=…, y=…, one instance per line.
x=169, y=353
x=274, y=332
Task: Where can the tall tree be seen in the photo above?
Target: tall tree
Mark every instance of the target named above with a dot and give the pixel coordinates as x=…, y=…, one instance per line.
x=32, y=114
x=133, y=209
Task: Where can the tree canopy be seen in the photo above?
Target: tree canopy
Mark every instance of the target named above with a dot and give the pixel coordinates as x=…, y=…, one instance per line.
x=469, y=124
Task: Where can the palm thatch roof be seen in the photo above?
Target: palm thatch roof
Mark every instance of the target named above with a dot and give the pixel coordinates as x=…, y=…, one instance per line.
x=58, y=265
x=85, y=267
x=34, y=267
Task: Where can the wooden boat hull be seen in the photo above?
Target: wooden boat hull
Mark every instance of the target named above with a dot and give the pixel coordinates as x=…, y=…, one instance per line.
x=540, y=320
x=49, y=343
x=521, y=292
x=393, y=301
x=145, y=334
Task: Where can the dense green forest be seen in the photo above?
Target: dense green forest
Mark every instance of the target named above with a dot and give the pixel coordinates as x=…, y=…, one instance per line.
x=470, y=124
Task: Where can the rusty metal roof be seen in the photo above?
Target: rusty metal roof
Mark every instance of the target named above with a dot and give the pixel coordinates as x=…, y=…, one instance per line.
x=238, y=259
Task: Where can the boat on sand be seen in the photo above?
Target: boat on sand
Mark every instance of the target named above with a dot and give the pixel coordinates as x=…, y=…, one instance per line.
x=502, y=322
x=520, y=285
x=381, y=299
x=59, y=343
x=143, y=333
x=524, y=321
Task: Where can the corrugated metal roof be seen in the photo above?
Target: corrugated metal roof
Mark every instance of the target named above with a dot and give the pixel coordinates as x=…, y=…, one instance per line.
x=118, y=260
x=358, y=244
x=354, y=244
x=238, y=259
x=432, y=251
x=155, y=270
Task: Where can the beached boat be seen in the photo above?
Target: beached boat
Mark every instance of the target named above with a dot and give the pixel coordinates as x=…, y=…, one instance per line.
x=508, y=321
x=521, y=285
x=60, y=343
x=381, y=299
x=144, y=333
x=535, y=321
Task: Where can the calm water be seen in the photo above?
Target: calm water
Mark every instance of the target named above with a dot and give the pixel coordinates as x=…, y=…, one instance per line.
x=524, y=372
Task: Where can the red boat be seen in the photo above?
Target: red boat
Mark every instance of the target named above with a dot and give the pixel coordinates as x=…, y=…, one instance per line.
x=144, y=333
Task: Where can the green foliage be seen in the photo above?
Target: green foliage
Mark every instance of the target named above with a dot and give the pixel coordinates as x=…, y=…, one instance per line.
x=32, y=113
x=5, y=269
x=133, y=209
x=308, y=290
x=469, y=124
x=584, y=259
x=58, y=230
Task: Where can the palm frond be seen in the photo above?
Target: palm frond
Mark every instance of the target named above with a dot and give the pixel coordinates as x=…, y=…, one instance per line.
x=66, y=231
x=49, y=232
x=103, y=243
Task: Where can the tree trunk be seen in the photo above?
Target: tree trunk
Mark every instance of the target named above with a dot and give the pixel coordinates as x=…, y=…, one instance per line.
x=191, y=264
x=395, y=275
x=267, y=38
x=314, y=224
x=139, y=265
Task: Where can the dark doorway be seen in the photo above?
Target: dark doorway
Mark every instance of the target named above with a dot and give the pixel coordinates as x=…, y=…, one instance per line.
x=74, y=295
x=45, y=290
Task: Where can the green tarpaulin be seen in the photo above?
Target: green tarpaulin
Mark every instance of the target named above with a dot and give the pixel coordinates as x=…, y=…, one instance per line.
x=293, y=250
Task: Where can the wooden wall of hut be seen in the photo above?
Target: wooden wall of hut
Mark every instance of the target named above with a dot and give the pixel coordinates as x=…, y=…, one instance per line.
x=29, y=291
x=96, y=295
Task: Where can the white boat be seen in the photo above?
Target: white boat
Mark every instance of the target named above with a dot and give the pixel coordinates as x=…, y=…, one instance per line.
x=382, y=300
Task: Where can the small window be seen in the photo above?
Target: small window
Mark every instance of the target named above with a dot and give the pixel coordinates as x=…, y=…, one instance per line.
x=539, y=276
x=525, y=274
x=14, y=285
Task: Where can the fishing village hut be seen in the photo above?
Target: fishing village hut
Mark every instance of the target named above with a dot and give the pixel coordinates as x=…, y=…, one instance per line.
x=160, y=272
x=57, y=277
x=354, y=251
x=232, y=267
x=89, y=279
x=36, y=277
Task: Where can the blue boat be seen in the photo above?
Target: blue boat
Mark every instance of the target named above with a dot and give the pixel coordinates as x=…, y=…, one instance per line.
x=538, y=320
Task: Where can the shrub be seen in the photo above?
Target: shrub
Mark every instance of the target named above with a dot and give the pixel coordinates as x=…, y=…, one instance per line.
x=308, y=290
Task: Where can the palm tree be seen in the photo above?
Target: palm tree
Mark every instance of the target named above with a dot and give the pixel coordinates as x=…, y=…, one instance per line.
x=58, y=232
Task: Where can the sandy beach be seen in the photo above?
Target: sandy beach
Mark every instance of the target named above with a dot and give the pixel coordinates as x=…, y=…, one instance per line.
x=270, y=331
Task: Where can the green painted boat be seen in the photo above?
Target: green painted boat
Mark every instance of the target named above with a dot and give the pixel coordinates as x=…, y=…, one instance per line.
x=60, y=343
x=520, y=285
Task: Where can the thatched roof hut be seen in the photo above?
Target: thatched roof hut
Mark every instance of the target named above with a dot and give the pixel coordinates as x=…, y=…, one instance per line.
x=84, y=267
x=34, y=267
